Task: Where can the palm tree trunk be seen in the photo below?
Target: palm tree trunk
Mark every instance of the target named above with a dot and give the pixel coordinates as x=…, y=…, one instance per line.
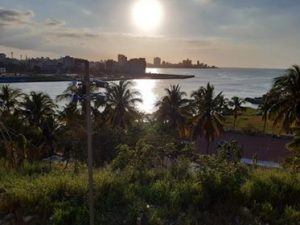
x=265, y=125
x=234, y=121
x=207, y=147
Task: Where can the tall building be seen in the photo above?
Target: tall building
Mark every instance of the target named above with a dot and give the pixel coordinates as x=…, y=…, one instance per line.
x=110, y=66
x=122, y=60
x=137, y=66
x=157, y=61
x=187, y=62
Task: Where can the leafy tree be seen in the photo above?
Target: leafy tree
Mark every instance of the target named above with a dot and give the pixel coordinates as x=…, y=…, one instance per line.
x=38, y=115
x=70, y=115
x=208, y=113
x=36, y=107
x=264, y=109
x=50, y=128
x=121, y=104
x=236, y=104
x=173, y=108
x=230, y=151
x=73, y=133
x=9, y=99
x=283, y=106
x=284, y=98
x=73, y=95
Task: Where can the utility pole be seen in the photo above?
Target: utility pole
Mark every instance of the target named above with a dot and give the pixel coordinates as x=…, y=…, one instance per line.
x=87, y=96
x=89, y=141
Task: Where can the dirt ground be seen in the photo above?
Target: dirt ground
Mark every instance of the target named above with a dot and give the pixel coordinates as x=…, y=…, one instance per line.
x=267, y=147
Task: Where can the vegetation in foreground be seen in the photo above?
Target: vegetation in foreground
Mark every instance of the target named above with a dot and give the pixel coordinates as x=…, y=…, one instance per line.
x=147, y=166
x=218, y=192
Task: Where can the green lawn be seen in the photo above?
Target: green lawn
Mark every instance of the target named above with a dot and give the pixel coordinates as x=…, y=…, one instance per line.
x=251, y=122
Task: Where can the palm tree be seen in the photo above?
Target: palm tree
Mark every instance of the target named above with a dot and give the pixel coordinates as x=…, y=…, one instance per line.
x=264, y=109
x=208, y=113
x=36, y=107
x=121, y=104
x=236, y=104
x=72, y=94
x=69, y=115
x=9, y=99
x=295, y=143
x=38, y=111
x=173, y=107
x=284, y=98
x=50, y=128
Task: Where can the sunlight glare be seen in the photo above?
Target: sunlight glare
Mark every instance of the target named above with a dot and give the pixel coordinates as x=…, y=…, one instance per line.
x=146, y=88
x=147, y=14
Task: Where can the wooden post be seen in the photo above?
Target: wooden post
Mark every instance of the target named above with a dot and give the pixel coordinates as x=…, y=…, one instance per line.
x=89, y=141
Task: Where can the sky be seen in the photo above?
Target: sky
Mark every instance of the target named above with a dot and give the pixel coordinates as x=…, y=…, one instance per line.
x=225, y=33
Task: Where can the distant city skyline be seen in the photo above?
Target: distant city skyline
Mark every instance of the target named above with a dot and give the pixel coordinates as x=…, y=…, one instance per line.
x=120, y=58
x=229, y=33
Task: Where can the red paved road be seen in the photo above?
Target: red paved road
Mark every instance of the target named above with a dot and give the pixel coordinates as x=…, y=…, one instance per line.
x=266, y=147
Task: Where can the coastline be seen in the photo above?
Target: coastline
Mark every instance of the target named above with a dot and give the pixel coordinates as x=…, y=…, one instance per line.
x=112, y=77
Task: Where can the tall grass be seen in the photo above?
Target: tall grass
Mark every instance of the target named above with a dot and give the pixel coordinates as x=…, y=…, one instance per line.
x=219, y=194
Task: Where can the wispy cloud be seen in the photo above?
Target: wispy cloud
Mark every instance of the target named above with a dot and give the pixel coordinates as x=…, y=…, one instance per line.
x=11, y=17
x=54, y=23
x=74, y=33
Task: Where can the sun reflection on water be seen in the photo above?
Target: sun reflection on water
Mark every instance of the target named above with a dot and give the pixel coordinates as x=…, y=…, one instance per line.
x=146, y=88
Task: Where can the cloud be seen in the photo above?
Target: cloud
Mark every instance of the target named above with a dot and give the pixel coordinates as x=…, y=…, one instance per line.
x=54, y=23
x=86, y=12
x=73, y=33
x=11, y=17
x=220, y=32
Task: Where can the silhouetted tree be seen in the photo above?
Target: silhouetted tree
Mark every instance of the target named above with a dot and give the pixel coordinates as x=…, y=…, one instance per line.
x=236, y=104
x=208, y=115
x=173, y=107
x=121, y=108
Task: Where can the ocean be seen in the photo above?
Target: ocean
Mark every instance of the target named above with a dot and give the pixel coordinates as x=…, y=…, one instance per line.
x=239, y=82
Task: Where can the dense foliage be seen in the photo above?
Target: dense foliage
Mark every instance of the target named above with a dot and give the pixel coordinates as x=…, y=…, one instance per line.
x=217, y=192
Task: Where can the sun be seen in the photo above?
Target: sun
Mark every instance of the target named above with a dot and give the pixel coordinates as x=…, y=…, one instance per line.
x=147, y=14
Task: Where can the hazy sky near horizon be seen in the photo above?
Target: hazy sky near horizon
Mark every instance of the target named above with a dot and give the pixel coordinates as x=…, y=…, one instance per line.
x=229, y=33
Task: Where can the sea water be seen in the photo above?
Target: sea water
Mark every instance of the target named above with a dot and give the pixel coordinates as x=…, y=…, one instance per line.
x=239, y=82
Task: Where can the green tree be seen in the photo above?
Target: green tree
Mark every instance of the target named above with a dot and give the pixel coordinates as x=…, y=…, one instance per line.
x=74, y=95
x=208, y=118
x=264, y=109
x=284, y=99
x=283, y=105
x=230, y=151
x=236, y=104
x=37, y=111
x=36, y=107
x=121, y=108
x=173, y=107
x=9, y=99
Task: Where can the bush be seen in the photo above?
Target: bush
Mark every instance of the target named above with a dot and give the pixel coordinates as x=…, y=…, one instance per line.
x=216, y=192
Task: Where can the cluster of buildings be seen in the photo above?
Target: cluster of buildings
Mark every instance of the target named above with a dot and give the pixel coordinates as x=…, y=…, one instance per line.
x=187, y=63
x=123, y=65
x=68, y=65
x=37, y=65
